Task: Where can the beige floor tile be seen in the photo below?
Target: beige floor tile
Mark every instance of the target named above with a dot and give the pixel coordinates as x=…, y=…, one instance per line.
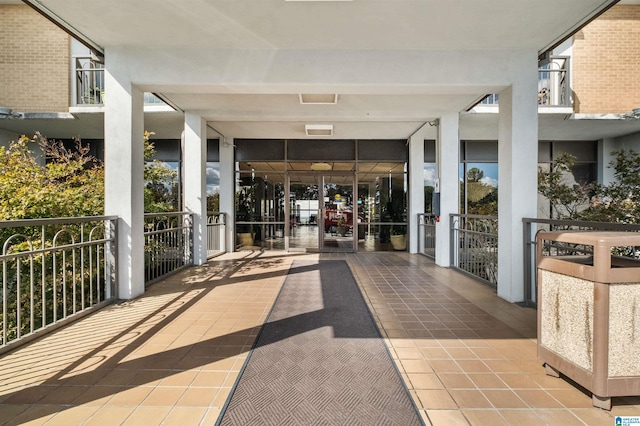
x=163, y=397
x=32, y=415
x=130, y=396
x=198, y=397
x=445, y=366
x=504, y=399
x=561, y=417
x=416, y=366
x=210, y=379
x=447, y=418
x=521, y=417
x=469, y=398
x=487, y=380
x=571, y=398
x=425, y=381
x=110, y=415
x=484, y=418
x=537, y=398
x=456, y=381
x=73, y=416
x=594, y=416
x=436, y=400
x=145, y=416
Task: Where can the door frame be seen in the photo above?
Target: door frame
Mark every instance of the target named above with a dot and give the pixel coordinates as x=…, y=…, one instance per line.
x=320, y=178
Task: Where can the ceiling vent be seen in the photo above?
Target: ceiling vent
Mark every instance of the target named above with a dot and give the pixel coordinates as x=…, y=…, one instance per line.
x=319, y=129
x=318, y=99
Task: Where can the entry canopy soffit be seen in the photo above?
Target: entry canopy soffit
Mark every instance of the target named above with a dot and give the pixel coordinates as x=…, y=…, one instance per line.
x=263, y=100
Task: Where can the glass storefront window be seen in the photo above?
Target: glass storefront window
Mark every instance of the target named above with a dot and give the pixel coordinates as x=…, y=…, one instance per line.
x=479, y=188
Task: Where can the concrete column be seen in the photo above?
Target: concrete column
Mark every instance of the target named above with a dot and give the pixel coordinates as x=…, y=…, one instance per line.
x=448, y=155
x=416, y=187
x=195, y=190
x=517, y=176
x=228, y=189
x=124, y=178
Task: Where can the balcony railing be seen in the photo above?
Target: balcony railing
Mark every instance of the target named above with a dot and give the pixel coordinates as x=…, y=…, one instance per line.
x=474, y=246
x=53, y=270
x=216, y=230
x=553, y=85
x=168, y=244
x=88, y=84
x=427, y=235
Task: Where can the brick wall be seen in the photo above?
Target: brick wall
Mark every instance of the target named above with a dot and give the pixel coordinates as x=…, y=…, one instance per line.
x=606, y=63
x=34, y=61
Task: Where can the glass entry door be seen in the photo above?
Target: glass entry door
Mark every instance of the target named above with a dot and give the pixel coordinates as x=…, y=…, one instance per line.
x=340, y=222
x=321, y=213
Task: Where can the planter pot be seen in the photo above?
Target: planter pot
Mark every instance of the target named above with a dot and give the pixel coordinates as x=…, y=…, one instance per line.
x=399, y=242
x=245, y=239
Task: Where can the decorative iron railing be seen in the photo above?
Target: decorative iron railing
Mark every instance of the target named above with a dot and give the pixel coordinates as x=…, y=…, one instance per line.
x=168, y=244
x=427, y=235
x=532, y=226
x=216, y=230
x=53, y=270
x=474, y=246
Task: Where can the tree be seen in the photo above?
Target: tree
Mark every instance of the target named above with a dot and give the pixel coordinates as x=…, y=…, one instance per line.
x=70, y=184
x=566, y=196
x=618, y=201
x=160, y=194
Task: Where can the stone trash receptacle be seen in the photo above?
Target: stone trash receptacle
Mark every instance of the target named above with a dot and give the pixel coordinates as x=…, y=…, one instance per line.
x=589, y=311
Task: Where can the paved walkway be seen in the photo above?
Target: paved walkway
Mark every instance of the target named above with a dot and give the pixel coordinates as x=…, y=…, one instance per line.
x=172, y=356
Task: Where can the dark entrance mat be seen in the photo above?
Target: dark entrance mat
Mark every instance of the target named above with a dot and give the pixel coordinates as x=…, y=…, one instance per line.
x=319, y=359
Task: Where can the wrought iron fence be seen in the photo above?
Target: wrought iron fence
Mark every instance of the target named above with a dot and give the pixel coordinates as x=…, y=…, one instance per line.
x=53, y=270
x=474, y=246
x=532, y=226
x=216, y=230
x=168, y=244
x=427, y=234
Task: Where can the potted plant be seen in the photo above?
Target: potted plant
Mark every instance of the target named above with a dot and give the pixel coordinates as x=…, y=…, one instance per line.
x=399, y=237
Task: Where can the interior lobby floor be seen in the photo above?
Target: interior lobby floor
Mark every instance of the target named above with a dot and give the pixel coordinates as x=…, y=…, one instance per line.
x=173, y=355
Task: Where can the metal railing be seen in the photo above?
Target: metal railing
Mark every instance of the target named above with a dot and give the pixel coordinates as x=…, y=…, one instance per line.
x=474, y=246
x=168, y=244
x=532, y=226
x=216, y=230
x=553, y=85
x=53, y=270
x=88, y=84
x=427, y=235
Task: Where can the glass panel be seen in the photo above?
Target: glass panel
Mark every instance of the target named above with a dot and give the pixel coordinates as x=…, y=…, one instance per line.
x=430, y=175
x=259, y=211
x=338, y=213
x=303, y=207
x=382, y=204
x=479, y=188
x=213, y=187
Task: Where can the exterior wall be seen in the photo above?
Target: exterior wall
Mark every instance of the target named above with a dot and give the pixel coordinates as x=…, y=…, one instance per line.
x=605, y=63
x=34, y=61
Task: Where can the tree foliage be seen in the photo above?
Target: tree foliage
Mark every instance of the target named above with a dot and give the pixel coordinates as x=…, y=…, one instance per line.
x=618, y=201
x=70, y=184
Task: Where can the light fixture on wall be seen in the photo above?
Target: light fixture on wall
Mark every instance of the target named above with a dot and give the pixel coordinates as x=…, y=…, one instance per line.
x=319, y=129
x=321, y=166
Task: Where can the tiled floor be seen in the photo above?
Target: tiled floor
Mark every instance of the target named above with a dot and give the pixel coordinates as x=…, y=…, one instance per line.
x=172, y=356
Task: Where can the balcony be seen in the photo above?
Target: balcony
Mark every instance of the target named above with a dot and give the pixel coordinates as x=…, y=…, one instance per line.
x=554, y=90
x=87, y=84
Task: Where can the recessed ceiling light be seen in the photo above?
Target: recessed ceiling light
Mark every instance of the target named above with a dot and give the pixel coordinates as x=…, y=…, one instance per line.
x=321, y=166
x=313, y=98
x=319, y=129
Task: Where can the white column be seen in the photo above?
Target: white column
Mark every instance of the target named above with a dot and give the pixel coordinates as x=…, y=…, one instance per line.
x=517, y=177
x=448, y=157
x=124, y=178
x=228, y=189
x=195, y=182
x=416, y=187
